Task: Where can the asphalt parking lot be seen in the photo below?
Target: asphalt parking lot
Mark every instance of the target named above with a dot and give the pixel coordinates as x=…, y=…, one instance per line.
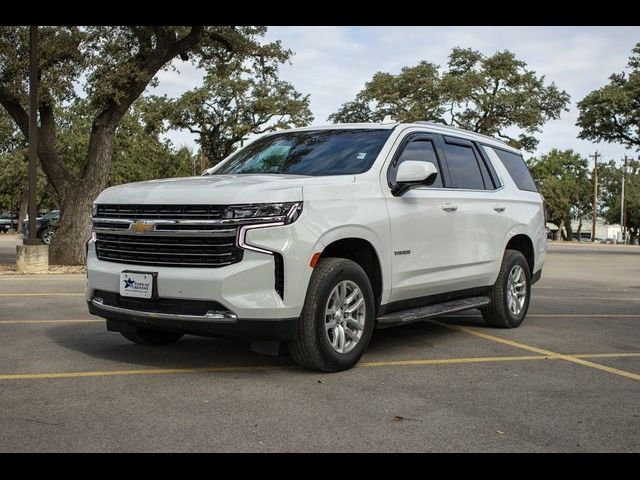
x=567, y=380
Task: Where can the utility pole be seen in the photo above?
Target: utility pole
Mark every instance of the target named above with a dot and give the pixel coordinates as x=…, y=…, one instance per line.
x=33, y=134
x=32, y=256
x=623, y=209
x=595, y=195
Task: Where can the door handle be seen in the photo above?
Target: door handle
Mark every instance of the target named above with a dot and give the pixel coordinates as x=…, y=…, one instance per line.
x=499, y=208
x=449, y=207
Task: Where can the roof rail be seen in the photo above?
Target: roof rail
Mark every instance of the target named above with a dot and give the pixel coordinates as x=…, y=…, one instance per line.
x=443, y=125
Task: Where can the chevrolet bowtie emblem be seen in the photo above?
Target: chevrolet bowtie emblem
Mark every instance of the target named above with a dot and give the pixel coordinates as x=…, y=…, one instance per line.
x=142, y=226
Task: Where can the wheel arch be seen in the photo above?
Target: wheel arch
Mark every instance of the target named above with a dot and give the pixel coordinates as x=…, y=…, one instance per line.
x=523, y=243
x=363, y=252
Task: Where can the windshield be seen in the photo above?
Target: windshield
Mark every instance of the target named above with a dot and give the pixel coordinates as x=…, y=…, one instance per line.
x=317, y=152
x=51, y=215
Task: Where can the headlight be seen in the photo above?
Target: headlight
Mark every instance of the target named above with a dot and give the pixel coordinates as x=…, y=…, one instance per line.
x=94, y=210
x=269, y=212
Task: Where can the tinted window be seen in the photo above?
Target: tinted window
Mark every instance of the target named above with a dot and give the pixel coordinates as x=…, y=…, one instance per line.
x=418, y=150
x=463, y=167
x=317, y=152
x=518, y=170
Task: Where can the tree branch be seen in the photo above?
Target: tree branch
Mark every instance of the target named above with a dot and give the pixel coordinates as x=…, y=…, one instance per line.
x=57, y=171
x=11, y=104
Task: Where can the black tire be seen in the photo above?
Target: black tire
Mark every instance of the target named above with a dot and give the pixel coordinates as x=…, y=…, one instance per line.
x=47, y=235
x=311, y=347
x=145, y=336
x=497, y=314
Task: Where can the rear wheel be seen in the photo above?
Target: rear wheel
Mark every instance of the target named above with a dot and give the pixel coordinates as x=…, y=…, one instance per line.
x=511, y=293
x=337, y=318
x=47, y=235
x=145, y=336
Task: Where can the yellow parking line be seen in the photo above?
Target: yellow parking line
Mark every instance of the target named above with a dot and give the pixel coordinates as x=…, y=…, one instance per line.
x=158, y=371
x=541, y=351
x=255, y=368
x=586, y=297
x=41, y=294
x=448, y=361
x=606, y=355
x=10, y=322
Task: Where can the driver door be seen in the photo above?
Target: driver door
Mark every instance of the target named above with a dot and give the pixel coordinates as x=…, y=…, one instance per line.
x=424, y=245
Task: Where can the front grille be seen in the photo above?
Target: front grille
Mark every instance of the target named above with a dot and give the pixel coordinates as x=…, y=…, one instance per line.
x=172, y=306
x=172, y=212
x=178, y=251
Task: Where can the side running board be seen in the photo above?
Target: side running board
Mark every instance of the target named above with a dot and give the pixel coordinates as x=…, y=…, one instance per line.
x=411, y=315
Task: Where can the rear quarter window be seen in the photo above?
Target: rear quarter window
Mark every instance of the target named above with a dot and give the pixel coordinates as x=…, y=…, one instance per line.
x=514, y=163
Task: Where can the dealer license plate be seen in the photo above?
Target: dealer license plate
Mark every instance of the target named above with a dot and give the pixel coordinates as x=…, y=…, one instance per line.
x=136, y=284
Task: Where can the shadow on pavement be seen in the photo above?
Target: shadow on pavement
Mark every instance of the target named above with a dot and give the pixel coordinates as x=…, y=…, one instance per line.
x=199, y=352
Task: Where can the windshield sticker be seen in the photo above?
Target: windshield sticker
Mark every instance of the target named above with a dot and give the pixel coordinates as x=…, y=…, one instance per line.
x=362, y=155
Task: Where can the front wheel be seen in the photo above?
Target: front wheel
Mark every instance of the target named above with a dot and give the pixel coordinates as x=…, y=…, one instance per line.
x=337, y=318
x=511, y=293
x=146, y=336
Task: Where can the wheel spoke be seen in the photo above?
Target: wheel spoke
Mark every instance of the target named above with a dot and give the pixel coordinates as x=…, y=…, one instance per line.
x=334, y=339
x=342, y=293
x=351, y=334
x=341, y=338
x=355, y=306
x=354, y=294
x=355, y=323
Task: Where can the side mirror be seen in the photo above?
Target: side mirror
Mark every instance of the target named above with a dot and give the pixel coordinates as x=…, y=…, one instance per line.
x=411, y=174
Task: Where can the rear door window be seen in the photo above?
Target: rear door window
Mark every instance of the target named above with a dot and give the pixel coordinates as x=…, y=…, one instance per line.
x=463, y=164
x=514, y=163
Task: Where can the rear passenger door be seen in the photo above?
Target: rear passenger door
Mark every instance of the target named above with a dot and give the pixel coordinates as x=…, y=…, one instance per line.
x=481, y=223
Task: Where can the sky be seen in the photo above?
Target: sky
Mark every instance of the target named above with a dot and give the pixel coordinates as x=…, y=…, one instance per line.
x=332, y=64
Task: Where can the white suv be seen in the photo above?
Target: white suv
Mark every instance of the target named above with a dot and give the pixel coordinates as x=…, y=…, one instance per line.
x=315, y=236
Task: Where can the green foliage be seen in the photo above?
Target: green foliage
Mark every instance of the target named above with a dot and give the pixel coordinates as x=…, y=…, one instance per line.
x=140, y=153
x=235, y=101
x=13, y=169
x=610, y=179
x=562, y=177
x=13, y=178
x=114, y=65
x=612, y=112
x=487, y=94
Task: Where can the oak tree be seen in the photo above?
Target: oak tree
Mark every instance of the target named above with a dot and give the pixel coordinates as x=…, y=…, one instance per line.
x=495, y=95
x=612, y=113
x=562, y=177
x=235, y=101
x=109, y=67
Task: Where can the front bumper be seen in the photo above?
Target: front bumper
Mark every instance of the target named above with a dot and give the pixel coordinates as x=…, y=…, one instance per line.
x=123, y=320
x=246, y=288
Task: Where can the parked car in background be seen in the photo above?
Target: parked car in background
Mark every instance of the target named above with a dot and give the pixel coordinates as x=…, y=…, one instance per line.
x=8, y=221
x=45, y=226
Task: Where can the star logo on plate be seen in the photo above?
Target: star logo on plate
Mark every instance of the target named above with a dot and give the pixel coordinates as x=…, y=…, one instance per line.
x=128, y=283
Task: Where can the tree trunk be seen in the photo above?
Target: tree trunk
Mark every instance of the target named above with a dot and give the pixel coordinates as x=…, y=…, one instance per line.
x=24, y=200
x=74, y=229
x=76, y=198
x=567, y=225
x=579, y=229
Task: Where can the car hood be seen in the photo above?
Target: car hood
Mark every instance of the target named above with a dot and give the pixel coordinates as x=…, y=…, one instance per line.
x=217, y=189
